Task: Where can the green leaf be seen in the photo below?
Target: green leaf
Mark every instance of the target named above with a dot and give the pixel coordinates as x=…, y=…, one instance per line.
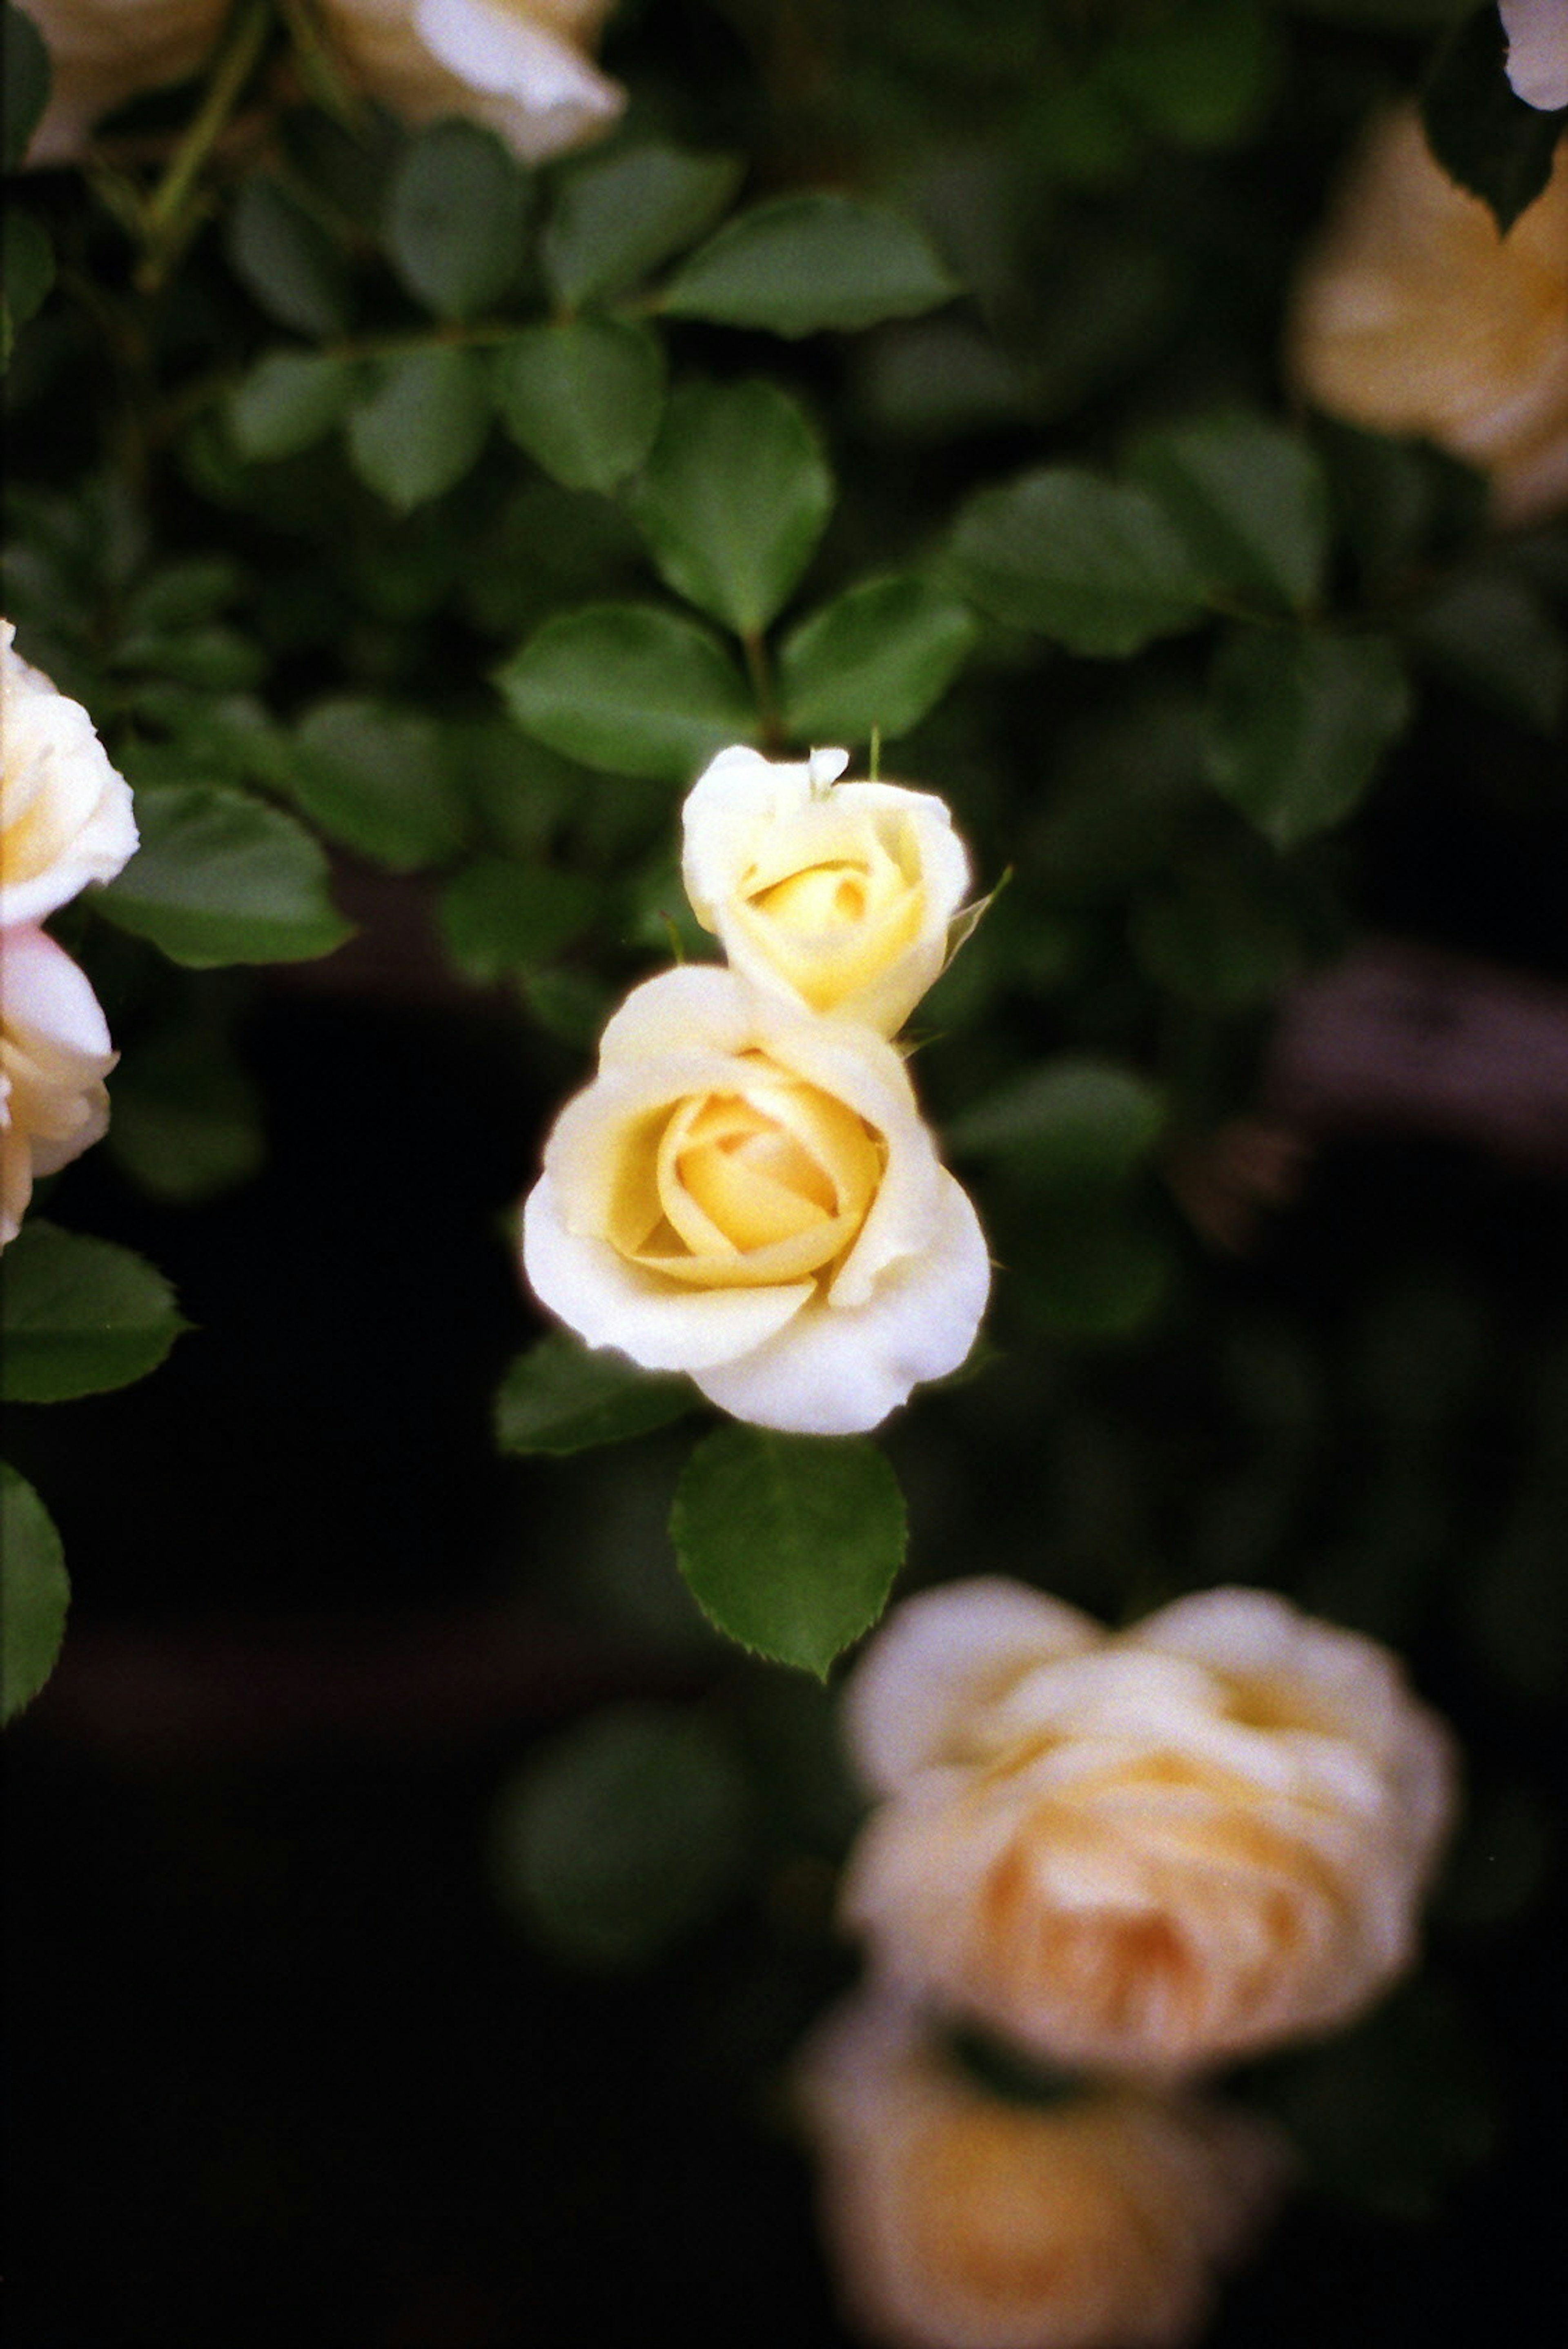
x=562, y=1397
x=378, y=779
x=1489, y=140
x=421, y=426
x=1493, y=636
x=1093, y=563
x=879, y=656
x=1200, y=74
x=220, y=878
x=1086, y=1266
x=28, y=264
x=457, y=218
x=803, y=264
x=616, y=218
x=789, y=1543
x=287, y=260
x=1077, y=1121
x=631, y=690
x=27, y=83
x=35, y=1593
x=735, y=496
x=1298, y=722
x=288, y=401
x=583, y=397
x=187, y=1122
x=1249, y=499
x=79, y=1316
x=620, y=1838
x=1206, y=936
x=499, y=917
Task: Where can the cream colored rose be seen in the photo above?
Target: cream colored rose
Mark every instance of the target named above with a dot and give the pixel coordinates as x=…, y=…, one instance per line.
x=1148, y=1852
x=65, y=815
x=518, y=65
x=838, y=896
x=959, y=2221
x=747, y=1192
x=55, y=1054
x=1537, y=50
x=1413, y=314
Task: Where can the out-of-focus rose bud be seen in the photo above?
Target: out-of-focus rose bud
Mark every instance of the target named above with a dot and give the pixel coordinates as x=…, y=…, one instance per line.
x=65, y=815
x=103, y=53
x=747, y=1192
x=520, y=66
x=1413, y=316
x=838, y=896
x=958, y=2220
x=55, y=1054
x=1142, y=1852
x=1537, y=50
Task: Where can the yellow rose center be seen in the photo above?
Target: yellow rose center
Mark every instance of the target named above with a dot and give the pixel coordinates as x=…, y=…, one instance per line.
x=743, y=1189
x=834, y=926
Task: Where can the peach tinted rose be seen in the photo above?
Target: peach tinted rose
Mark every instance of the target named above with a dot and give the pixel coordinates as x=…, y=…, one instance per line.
x=1412, y=315
x=66, y=814
x=1143, y=1852
x=54, y=1054
x=958, y=2220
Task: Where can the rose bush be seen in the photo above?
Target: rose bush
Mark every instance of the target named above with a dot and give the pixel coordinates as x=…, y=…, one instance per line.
x=958, y=2220
x=518, y=65
x=1146, y=1851
x=54, y=1054
x=837, y=894
x=66, y=814
x=1413, y=314
x=747, y=1192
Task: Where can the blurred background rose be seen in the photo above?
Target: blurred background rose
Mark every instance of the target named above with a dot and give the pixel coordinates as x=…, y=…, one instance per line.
x=1414, y=315
x=960, y=2220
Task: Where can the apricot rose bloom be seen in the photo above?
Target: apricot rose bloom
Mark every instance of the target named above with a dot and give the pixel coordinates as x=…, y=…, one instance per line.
x=1147, y=1851
x=66, y=814
x=747, y=1192
x=1413, y=316
x=55, y=1054
x=958, y=2220
x=519, y=66
x=837, y=894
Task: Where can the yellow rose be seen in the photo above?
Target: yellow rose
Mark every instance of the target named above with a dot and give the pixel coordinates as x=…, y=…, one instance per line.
x=747, y=1192
x=838, y=896
x=958, y=2220
x=54, y=1054
x=65, y=815
x=1147, y=1851
x=1413, y=316
x=518, y=65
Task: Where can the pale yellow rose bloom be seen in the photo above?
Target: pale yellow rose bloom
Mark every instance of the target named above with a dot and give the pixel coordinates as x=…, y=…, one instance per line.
x=1413, y=316
x=837, y=894
x=1142, y=1852
x=66, y=814
x=958, y=2220
x=54, y=1054
x=748, y=1194
x=518, y=65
